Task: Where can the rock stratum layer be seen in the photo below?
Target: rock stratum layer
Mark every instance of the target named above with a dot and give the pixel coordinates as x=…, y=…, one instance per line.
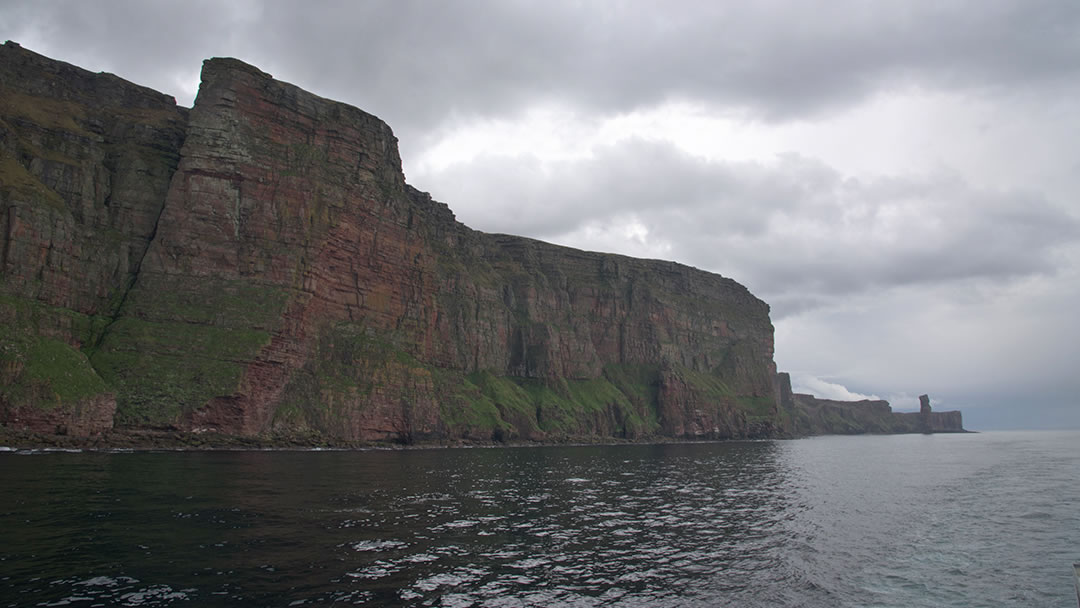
x=257, y=265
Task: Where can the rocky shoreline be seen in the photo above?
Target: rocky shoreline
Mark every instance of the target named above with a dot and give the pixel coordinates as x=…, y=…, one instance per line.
x=168, y=440
x=143, y=440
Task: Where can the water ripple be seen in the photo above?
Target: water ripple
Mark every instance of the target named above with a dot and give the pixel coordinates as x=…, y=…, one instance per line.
x=875, y=521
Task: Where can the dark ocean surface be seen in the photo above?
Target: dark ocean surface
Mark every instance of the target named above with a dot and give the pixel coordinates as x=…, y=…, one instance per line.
x=987, y=519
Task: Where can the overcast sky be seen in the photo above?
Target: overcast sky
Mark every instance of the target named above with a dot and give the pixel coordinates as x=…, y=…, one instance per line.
x=899, y=180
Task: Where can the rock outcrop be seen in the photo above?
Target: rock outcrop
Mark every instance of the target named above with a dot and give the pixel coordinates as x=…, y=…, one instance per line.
x=257, y=264
x=929, y=421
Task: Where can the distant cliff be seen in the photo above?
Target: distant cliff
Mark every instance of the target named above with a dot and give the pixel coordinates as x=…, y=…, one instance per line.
x=256, y=266
x=810, y=415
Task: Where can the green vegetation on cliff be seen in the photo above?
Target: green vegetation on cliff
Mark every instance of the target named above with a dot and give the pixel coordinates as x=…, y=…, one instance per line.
x=175, y=368
x=354, y=370
x=45, y=372
x=621, y=403
x=18, y=184
x=39, y=370
x=179, y=342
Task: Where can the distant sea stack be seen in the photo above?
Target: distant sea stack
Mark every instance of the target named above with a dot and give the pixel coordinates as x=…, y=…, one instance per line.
x=813, y=416
x=256, y=266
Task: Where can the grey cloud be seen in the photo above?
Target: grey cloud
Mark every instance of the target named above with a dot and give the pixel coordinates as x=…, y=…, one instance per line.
x=1003, y=351
x=418, y=64
x=657, y=181
x=150, y=43
x=796, y=231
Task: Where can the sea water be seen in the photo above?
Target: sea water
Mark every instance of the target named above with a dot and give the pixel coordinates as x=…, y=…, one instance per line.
x=987, y=519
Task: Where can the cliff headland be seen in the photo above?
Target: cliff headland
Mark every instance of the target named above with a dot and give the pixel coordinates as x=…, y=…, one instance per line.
x=255, y=267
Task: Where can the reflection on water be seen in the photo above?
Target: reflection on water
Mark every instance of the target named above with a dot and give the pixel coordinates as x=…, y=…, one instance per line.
x=815, y=522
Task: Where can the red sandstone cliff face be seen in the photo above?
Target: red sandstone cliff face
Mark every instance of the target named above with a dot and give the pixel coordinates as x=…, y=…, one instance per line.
x=82, y=418
x=285, y=198
x=375, y=304
x=283, y=277
x=85, y=161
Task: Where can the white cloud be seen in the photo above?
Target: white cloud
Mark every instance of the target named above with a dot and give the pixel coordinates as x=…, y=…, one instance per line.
x=823, y=389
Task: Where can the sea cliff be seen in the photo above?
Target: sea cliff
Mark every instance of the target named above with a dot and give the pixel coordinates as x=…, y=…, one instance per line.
x=257, y=266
